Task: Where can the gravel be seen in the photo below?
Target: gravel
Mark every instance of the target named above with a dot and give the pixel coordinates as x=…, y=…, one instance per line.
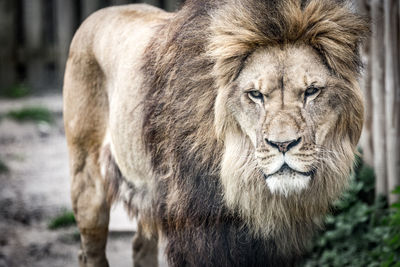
x=36, y=189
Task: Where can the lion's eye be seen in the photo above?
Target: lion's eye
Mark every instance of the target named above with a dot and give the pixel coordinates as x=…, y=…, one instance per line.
x=255, y=95
x=311, y=90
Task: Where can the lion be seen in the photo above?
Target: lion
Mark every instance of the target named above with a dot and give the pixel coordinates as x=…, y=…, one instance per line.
x=228, y=127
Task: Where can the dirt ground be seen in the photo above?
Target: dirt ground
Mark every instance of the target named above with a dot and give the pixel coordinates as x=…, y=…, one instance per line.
x=36, y=189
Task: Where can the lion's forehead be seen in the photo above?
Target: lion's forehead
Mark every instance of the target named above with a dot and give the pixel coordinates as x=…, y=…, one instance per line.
x=292, y=67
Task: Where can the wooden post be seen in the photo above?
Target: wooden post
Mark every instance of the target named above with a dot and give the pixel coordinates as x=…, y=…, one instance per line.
x=153, y=2
x=120, y=2
x=392, y=101
x=90, y=6
x=366, y=141
x=7, y=43
x=378, y=96
x=66, y=15
x=33, y=30
x=171, y=5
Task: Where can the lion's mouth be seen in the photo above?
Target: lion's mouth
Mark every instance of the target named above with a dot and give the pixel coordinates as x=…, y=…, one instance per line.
x=287, y=181
x=285, y=168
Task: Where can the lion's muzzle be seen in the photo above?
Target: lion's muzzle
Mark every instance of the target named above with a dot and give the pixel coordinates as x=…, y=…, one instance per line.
x=285, y=146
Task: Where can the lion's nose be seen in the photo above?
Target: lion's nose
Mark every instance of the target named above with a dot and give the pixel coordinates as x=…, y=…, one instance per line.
x=284, y=147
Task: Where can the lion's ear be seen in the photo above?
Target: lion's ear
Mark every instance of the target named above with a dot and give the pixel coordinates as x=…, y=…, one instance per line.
x=336, y=33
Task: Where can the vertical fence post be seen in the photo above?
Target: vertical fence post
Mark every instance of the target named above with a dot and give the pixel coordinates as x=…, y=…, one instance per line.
x=90, y=6
x=365, y=84
x=33, y=37
x=153, y=2
x=120, y=2
x=391, y=94
x=7, y=44
x=66, y=18
x=171, y=5
x=378, y=99
x=366, y=140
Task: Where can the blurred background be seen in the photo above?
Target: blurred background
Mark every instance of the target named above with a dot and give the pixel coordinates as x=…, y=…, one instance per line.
x=35, y=36
x=36, y=223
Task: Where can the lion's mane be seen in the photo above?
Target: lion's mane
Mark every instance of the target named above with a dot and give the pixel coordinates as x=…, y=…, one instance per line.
x=194, y=56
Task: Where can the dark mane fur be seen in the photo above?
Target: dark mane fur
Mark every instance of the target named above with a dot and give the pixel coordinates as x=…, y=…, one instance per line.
x=201, y=49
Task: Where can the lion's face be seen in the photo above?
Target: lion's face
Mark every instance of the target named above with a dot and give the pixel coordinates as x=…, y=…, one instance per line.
x=290, y=134
x=285, y=102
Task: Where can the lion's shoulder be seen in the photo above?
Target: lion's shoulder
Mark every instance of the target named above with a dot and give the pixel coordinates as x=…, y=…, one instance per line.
x=110, y=26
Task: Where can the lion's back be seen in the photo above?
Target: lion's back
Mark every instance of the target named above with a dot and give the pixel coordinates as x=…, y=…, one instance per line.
x=103, y=80
x=108, y=34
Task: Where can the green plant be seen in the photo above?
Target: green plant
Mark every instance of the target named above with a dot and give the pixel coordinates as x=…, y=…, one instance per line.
x=39, y=114
x=361, y=231
x=3, y=167
x=391, y=254
x=65, y=219
x=16, y=91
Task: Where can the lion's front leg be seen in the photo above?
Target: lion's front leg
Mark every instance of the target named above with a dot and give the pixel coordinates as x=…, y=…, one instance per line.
x=145, y=249
x=92, y=252
x=91, y=211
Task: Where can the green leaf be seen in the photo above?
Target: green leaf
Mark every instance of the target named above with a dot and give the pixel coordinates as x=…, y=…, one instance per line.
x=65, y=219
x=38, y=114
x=396, y=190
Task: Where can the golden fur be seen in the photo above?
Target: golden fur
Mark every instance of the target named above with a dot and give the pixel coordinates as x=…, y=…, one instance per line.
x=165, y=98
